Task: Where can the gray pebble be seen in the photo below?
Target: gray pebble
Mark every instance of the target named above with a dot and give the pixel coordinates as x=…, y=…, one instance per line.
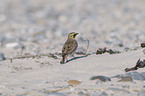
x=101, y=94
x=2, y=57
x=141, y=93
x=130, y=76
x=55, y=94
x=83, y=94
x=134, y=75
x=15, y=45
x=143, y=51
x=117, y=76
x=102, y=78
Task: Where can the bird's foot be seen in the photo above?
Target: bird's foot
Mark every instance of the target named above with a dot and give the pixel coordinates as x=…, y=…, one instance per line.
x=61, y=62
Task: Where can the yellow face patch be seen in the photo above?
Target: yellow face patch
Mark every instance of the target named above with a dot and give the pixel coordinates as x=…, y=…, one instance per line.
x=72, y=35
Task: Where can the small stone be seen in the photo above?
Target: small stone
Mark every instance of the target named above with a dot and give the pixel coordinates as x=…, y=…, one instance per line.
x=55, y=94
x=126, y=49
x=143, y=51
x=74, y=82
x=83, y=94
x=143, y=45
x=101, y=94
x=118, y=76
x=102, y=78
x=134, y=75
x=46, y=81
x=23, y=88
x=14, y=45
x=141, y=93
x=2, y=57
x=126, y=79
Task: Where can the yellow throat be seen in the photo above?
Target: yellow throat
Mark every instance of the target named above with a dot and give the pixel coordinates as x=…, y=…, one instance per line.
x=72, y=35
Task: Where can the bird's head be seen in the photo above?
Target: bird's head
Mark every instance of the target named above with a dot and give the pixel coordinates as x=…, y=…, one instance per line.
x=72, y=35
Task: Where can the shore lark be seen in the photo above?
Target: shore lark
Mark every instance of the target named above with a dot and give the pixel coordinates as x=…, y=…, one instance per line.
x=69, y=47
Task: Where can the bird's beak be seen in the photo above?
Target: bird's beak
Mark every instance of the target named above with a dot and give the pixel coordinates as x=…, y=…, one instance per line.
x=76, y=34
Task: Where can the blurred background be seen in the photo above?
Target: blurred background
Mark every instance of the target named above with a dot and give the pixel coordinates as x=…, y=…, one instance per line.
x=41, y=26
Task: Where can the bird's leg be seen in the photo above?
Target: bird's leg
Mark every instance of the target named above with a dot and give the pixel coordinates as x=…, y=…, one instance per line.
x=63, y=58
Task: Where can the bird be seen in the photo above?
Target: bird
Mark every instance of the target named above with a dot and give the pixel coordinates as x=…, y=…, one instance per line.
x=69, y=47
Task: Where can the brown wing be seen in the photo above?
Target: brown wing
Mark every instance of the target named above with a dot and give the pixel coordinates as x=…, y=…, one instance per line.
x=70, y=46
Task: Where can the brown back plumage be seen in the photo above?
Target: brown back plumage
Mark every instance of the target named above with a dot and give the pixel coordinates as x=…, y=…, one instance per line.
x=70, y=46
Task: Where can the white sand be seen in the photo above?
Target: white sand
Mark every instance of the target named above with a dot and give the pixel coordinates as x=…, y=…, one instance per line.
x=25, y=75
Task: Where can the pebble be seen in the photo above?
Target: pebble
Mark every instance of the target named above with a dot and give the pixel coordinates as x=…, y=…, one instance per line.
x=143, y=45
x=101, y=94
x=134, y=75
x=130, y=76
x=102, y=78
x=74, y=82
x=2, y=57
x=143, y=51
x=14, y=45
x=141, y=93
x=126, y=79
x=83, y=94
x=55, y=94
x=117, y=76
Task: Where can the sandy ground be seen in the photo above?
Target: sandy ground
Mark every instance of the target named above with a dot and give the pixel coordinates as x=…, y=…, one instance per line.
x=42, y=26
x=45, y=73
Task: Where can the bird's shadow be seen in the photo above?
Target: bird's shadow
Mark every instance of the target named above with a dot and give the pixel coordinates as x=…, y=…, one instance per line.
x=75, y=58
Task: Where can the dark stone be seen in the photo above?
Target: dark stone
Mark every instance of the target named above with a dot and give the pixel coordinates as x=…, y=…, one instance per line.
x=102, y=78
x=143, y=45
x=2, y=57
x=117, y=76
